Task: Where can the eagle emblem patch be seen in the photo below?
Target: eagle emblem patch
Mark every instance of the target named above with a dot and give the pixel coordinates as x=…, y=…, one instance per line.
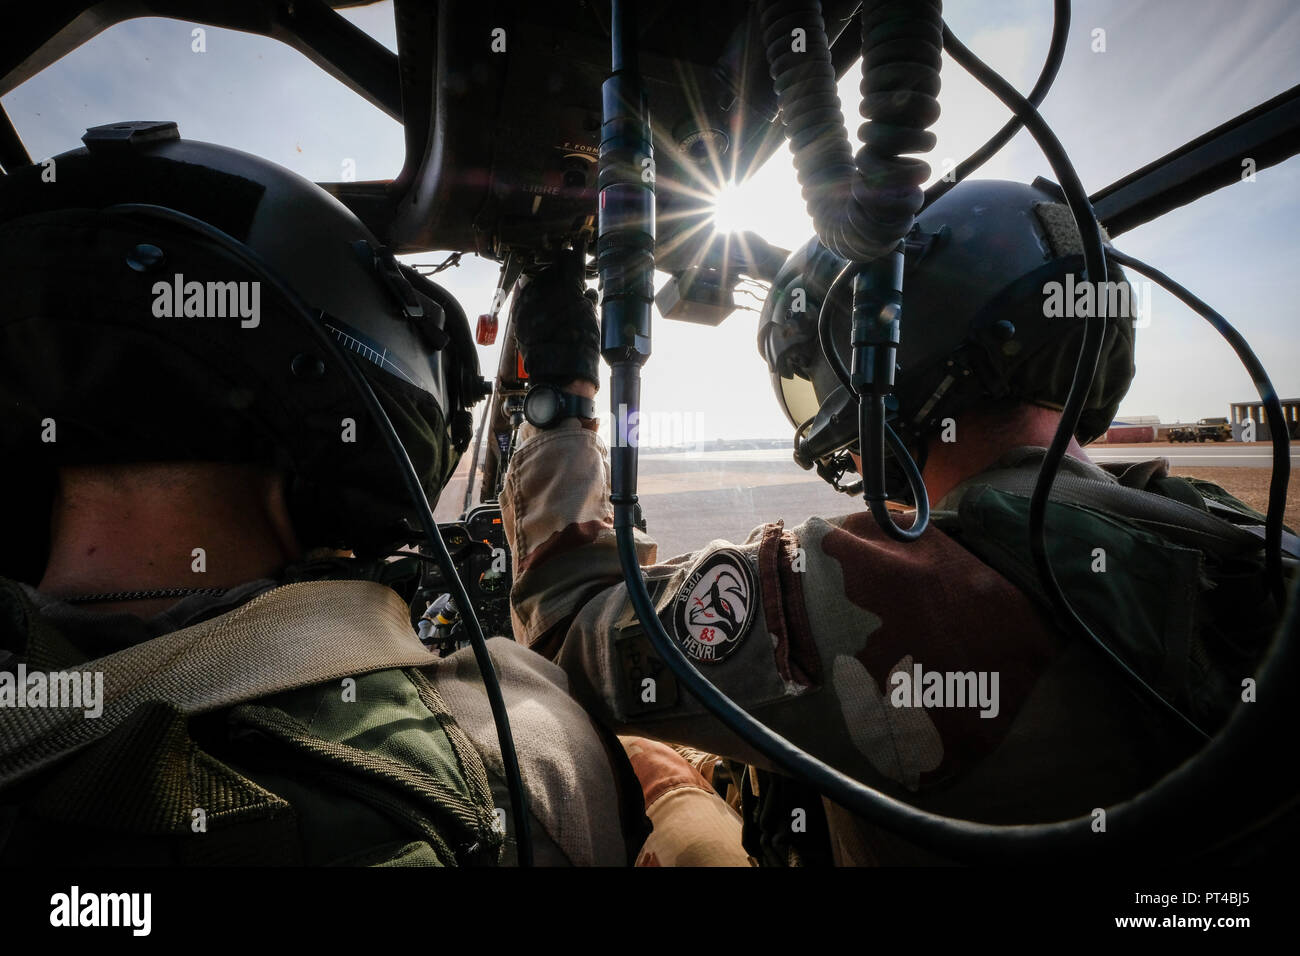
x=713, y=609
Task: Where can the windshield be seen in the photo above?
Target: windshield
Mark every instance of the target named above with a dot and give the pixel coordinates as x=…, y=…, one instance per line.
x=1136, y=83
x=220, y=86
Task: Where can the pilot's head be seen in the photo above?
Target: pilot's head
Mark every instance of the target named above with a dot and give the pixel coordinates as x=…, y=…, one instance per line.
x=992, y=318
x=151, y=289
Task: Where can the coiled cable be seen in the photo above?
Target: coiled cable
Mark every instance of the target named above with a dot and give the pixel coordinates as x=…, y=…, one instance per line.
x=862, y=205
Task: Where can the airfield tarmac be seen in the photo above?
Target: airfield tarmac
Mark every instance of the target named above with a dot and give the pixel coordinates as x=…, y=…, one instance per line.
x=692, y=497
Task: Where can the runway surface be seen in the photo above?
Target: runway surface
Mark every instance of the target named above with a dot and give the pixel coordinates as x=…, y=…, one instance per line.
x=692, y=497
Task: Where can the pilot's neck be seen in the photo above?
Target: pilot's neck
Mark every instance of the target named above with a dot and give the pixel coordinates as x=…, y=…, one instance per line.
x=160, y=526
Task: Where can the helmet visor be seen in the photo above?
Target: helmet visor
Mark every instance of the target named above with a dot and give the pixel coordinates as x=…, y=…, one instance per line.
x=798, y=398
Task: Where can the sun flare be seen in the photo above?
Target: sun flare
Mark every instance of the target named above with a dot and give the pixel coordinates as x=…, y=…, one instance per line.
x=729, y=209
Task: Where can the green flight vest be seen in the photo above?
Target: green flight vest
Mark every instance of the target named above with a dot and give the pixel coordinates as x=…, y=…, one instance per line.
x=284, y=732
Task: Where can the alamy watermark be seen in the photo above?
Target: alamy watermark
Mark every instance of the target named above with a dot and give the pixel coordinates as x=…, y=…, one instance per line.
x=74, y=690
x=921, y=688
x=1085, y=300
x=208, y=300
x=657, y=429
x=75, y=909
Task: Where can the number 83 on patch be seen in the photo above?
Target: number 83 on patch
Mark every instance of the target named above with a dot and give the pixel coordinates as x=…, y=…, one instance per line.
x=713, y=610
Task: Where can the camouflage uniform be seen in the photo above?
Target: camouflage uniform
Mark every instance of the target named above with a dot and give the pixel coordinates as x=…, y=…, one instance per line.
x=403, y=772
x=804, y=628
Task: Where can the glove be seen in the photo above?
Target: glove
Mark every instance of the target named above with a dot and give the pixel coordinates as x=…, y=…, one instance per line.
x=555, y=324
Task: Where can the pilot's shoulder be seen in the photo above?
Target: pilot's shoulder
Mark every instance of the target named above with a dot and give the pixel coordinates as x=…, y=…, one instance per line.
x=565, y=766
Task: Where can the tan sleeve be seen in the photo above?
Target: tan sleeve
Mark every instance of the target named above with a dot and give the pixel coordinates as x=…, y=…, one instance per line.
x=560, y=525
x=748, y=634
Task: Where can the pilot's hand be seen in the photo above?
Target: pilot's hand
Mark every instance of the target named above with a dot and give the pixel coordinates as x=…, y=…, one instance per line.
x=556, y=326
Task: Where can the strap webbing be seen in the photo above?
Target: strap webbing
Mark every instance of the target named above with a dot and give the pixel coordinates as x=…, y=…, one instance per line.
x=289, y=637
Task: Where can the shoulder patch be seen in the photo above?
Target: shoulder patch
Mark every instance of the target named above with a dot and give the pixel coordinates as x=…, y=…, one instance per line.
x=715, y=607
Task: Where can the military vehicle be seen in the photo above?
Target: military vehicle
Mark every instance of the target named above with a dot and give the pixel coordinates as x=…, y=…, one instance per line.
x=1206, y=429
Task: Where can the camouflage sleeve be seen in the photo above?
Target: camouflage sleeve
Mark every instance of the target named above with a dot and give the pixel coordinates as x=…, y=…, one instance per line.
x=560, y=526
x=915, y=667
x=744, y=613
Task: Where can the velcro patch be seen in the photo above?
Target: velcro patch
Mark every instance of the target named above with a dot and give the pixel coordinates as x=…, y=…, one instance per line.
x=715, y=607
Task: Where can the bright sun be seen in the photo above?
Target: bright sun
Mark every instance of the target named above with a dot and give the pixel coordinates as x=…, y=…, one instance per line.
x=729, y=212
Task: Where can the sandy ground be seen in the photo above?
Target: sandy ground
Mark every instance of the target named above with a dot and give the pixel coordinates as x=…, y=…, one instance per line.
x=1248, y=484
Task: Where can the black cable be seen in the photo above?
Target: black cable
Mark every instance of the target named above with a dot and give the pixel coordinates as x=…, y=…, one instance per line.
x=1281, y=440
x=1085, y=368
x=300, y=309
x=863, y=205
x=1090, y=351
x=873, y=432
x=1155, y=818
x=873, y=428
x=867, y=412
x=872, y=423
x=895, y=443
x=824, y=328
x=1051, y=66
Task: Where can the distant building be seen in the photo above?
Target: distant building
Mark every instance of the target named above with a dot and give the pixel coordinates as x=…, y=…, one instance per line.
x=1130, y=429
x=1127, y=434
x=1240, y=411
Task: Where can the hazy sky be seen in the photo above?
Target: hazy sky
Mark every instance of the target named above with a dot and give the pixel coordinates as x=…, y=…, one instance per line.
x=1170, y=71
